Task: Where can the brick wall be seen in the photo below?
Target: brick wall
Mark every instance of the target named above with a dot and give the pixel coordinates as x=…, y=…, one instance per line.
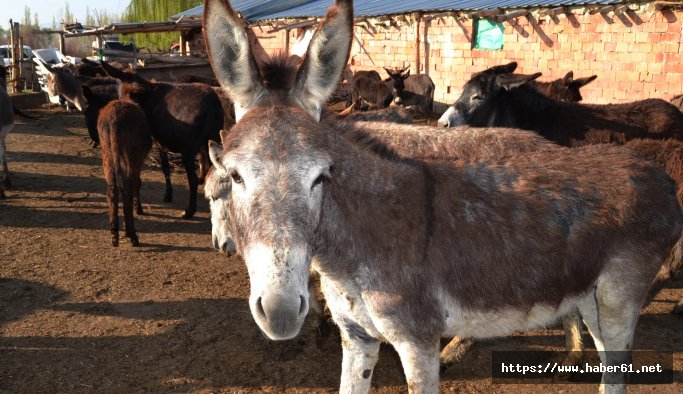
x=636, y=55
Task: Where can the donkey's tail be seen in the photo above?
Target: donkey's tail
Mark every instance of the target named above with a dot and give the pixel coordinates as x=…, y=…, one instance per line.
x=668, y=271
x=20, y=113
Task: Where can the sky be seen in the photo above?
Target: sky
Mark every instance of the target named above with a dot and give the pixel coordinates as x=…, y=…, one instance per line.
x=46, y=9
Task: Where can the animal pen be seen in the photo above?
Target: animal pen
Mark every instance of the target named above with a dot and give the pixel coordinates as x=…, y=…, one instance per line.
x=633, y=47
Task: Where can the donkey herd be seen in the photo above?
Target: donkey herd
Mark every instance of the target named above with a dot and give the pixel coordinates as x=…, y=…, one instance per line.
x=572, y=208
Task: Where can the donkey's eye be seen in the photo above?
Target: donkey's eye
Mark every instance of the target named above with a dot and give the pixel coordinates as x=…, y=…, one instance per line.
x=476, y=98
x=236, y=178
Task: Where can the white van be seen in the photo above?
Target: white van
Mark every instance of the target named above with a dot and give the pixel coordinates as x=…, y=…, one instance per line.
x=6, y=52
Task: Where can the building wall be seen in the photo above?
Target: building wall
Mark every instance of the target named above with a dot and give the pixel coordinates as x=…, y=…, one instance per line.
x=636, y=55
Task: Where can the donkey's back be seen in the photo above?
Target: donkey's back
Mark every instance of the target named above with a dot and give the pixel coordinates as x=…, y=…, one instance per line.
x=558, y=224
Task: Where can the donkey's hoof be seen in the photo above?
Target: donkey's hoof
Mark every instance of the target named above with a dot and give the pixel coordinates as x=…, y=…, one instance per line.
x=134, y=240
x=2, y=195
x=678, y=309
x=187, y=214
x=115, y=240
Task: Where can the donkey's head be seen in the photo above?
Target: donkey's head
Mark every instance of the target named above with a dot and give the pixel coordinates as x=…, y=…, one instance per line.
x=568, y=88
x=398, y=78
x=276, y=157
x=133, y=86
x=61, y=81
x=217, y=191
x=481, y=94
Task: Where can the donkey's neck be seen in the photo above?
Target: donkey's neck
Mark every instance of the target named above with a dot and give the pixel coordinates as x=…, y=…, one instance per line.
x=374, y=210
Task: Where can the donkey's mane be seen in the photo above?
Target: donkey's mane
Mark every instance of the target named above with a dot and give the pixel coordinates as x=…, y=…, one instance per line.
x=278, y=72
x=366, y=141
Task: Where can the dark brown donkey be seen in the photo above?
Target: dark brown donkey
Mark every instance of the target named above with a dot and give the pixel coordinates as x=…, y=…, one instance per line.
x=504, y=99
x=368, y=88
x=182, y=118
x=413, y=90
x=585, y=228
x=6, y=125
x=125, y=139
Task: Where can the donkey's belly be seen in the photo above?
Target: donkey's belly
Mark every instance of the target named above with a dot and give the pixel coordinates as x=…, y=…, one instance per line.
x=504, y=321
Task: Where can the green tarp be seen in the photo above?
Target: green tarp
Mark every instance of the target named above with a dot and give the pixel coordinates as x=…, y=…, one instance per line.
x=489, y=34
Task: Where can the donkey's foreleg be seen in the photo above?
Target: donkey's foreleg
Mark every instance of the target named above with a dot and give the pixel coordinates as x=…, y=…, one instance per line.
x=359, y=356
x=4, y=178
x=421, y=365
x=166, y=169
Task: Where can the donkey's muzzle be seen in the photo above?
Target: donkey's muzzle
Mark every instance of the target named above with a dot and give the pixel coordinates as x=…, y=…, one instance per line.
x=224, y=244
x=280, y=316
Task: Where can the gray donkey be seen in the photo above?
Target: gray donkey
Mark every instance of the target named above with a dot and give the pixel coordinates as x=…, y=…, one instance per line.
x=585, y=228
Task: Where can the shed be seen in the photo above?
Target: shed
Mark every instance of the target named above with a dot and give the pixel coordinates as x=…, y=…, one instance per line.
x=633, y=47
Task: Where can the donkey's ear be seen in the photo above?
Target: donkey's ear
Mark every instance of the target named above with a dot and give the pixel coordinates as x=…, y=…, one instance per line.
x=324, y=62
x=512, y=81
x=581, y=82
x=503, y=68
x=113, y=71
x=215, y=151
x=230, y=54
x=569, y=78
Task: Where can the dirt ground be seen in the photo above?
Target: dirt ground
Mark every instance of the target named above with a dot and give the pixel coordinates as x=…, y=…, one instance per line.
x=171, y=316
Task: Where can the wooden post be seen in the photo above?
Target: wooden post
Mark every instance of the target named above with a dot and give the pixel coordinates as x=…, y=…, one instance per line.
x=427, y=24
x=417, y=16
x=61, y=42
x=14, y=73
x=287, y=33
x=183, y=44
x=21, y=83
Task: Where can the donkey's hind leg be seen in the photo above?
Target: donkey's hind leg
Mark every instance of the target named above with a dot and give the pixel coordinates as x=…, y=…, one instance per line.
x=420, y=364
x=128, y=187
x=611, y=321
x=113, y=200
x=572, y=340
x=454, y=351
x=166, y=169
x=138, y=202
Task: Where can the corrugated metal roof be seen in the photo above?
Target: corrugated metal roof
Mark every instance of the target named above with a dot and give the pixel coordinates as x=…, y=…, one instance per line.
x=255, y=10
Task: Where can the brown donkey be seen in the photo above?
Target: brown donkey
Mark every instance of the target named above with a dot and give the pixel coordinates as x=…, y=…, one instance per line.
x=182, y=118
x=125, y=140
x=585, y=228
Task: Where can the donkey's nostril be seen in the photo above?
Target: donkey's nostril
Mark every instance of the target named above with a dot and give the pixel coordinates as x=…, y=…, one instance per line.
x=302, y=307
x=259, y=309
